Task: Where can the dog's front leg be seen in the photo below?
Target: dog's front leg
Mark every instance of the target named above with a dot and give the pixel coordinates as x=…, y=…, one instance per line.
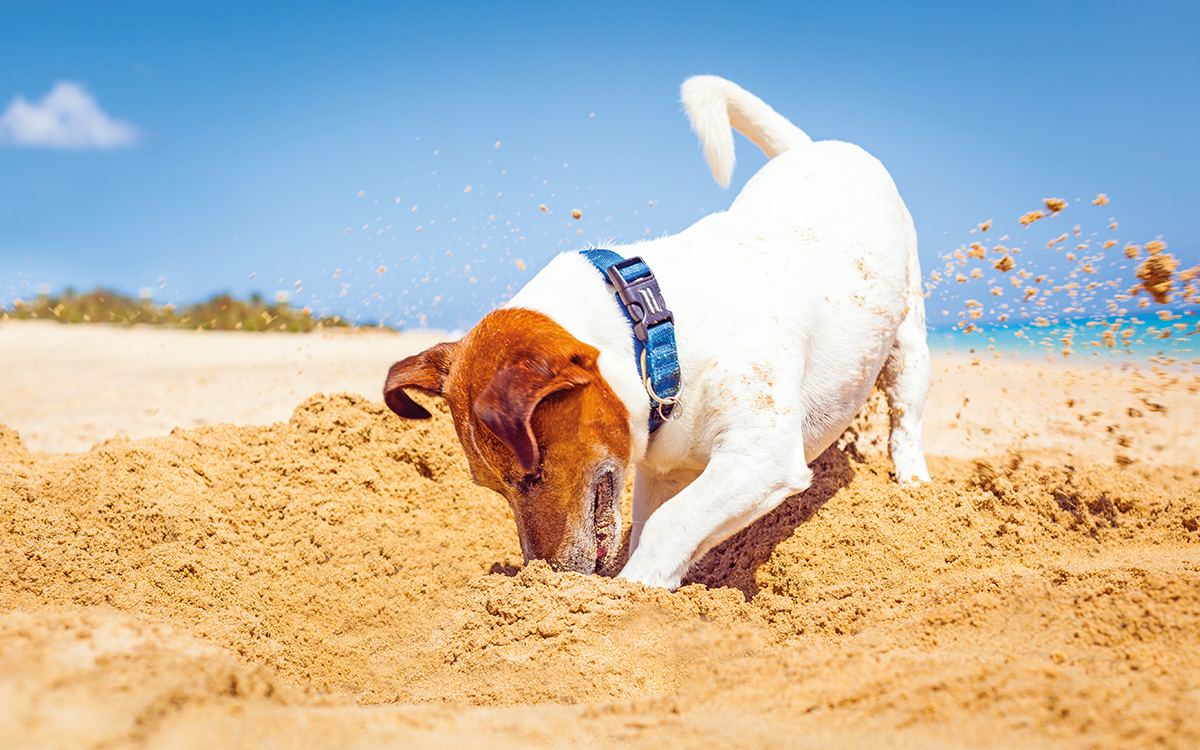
x=735, y=489
x=650, y=491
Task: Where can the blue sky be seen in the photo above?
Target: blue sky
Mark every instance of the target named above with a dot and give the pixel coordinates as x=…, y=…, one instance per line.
x=229, y=142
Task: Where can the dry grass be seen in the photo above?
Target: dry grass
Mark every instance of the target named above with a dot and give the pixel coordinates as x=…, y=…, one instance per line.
x=219, y=312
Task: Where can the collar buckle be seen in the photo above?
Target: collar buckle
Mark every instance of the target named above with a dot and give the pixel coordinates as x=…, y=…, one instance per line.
x=641, y=296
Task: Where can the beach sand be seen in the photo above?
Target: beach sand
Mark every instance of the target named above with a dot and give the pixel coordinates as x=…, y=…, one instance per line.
x=256, y=552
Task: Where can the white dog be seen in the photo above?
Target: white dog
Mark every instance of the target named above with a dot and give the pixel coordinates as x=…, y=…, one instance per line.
x=765, y=332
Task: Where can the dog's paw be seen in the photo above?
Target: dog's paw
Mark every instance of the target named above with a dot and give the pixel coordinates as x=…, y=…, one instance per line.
x=911, y=470
x=642, y=570
x=912, y=478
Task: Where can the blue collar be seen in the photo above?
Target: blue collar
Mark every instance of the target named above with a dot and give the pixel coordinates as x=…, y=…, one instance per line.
x=653, y=329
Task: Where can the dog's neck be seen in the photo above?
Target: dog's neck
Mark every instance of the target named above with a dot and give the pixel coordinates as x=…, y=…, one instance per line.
x=571, y=293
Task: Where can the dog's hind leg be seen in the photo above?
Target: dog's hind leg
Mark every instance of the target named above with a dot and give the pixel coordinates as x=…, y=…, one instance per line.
x=905, y=382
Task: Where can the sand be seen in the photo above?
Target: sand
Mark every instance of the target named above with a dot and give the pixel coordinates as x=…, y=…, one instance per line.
x=68, y=387
x=326, y=574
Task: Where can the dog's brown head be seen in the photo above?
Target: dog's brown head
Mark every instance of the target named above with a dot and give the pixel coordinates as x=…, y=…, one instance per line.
x=539, y=425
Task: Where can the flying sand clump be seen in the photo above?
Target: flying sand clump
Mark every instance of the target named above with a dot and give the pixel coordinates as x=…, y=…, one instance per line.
x=1156, y=271
x=1055, y=204
x=1031, y=217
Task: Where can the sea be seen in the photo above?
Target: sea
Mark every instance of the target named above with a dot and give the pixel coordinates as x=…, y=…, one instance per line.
x=1138, y=338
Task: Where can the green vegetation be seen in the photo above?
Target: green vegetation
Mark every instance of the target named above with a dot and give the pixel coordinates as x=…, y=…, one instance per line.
x=220, y=312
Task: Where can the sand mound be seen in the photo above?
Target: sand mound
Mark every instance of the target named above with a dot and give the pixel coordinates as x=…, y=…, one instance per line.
x=11, y=447
x=221, y=584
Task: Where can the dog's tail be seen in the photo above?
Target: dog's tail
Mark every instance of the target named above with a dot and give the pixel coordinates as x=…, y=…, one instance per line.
x=717, y=106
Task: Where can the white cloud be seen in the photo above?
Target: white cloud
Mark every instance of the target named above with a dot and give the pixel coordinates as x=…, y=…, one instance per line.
x=66, y=118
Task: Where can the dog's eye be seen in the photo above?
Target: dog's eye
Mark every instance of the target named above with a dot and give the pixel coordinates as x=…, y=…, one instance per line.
x=529, y=481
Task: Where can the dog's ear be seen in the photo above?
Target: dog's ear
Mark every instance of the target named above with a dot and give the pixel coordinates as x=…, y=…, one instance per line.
x=506, y=406
x=425, y=371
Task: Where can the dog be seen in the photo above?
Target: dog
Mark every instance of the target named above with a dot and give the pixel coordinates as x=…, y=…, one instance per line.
x=763, y=329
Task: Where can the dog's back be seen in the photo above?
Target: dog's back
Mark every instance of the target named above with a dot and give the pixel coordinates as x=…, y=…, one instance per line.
x=818, y=244
x=820, y=204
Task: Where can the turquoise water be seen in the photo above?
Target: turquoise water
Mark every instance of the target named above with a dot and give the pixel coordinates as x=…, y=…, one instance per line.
x=1136, y=338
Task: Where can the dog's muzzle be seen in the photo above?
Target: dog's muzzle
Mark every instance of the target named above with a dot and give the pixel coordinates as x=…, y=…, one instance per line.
x=606, y=518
